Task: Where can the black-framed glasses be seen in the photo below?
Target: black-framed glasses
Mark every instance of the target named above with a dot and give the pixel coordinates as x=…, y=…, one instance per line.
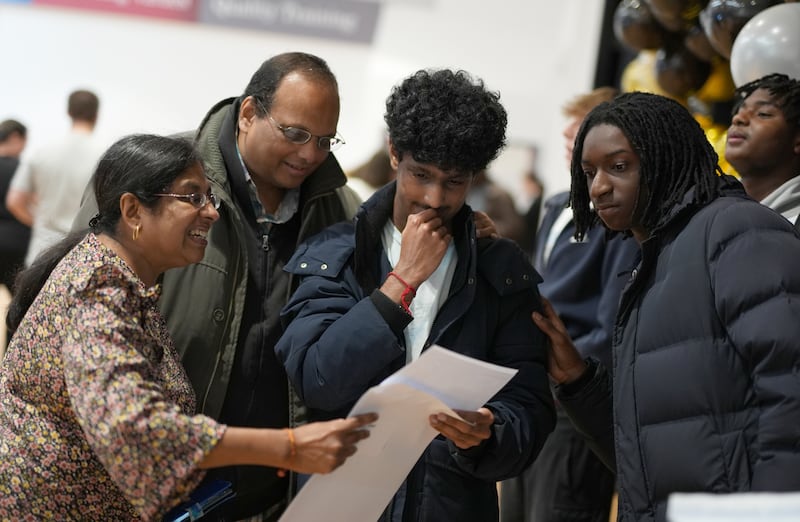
x=198, y=201
x=300, y=136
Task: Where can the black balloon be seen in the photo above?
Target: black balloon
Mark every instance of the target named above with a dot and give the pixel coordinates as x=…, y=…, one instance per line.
x=679, y=72
x=667, y=13
x=635, y=26
x=697, y=43
x=676, y=15
x=723, y=19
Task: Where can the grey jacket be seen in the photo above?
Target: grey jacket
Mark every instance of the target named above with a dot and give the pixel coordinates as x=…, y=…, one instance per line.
x=204, y=303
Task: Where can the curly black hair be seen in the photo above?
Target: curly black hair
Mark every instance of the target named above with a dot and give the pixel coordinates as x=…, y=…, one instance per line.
x=674, y=154
x=784, y=90
x=447, y=119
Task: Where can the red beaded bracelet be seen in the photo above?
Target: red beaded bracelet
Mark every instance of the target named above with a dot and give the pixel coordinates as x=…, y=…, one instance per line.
x=409, y=290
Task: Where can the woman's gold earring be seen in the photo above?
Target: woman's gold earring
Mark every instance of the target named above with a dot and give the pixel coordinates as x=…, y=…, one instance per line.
x=136, y=232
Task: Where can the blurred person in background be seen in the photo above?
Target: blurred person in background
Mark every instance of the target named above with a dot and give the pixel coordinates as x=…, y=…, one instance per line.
x=46, y=190
x=487, y=196
x=533, y=187
x=583, y=281
x=372, y=175
x=14, y=235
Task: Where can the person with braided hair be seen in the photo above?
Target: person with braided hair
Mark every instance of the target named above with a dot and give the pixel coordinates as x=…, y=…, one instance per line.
x=763, y=142
x=704, y=395
x=583, y=281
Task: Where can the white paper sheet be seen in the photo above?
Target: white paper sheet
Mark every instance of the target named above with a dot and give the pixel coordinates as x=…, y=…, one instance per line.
x=438, y=381
x=734, y=507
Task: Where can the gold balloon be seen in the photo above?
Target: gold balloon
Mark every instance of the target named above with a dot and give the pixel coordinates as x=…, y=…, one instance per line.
x=640, y=75
x=717, y=136
x=719, y=86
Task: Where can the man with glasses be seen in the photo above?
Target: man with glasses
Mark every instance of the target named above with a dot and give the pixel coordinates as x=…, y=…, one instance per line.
x=267, y=156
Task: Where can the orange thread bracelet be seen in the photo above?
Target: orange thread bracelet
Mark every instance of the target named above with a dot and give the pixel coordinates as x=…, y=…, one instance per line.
x=409, y=290
x=292, y=450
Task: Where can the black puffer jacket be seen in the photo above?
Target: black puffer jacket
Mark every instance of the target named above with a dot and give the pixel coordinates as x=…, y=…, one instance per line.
x=706, y=392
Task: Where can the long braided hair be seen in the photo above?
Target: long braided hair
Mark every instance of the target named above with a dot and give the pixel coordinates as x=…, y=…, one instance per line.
x=674, y=154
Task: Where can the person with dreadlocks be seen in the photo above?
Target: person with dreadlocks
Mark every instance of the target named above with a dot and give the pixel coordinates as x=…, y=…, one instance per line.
x=704, y=395
x=763, y=143
x=583, y=281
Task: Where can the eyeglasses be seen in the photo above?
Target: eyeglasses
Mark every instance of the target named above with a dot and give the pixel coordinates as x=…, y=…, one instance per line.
x=197, y=200
x=300, y=136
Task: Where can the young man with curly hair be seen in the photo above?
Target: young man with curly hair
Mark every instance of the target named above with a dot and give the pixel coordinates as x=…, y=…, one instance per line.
x=409, y=272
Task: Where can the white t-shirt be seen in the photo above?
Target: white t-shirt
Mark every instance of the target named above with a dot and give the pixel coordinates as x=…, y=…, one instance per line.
x=57, y=175
x=785, y=199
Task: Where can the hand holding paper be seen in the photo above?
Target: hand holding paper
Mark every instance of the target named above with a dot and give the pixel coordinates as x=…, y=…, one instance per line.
x=438, y=381
x=468, y=430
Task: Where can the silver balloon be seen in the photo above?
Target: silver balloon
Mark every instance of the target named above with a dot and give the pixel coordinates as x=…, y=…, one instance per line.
x=768, y=43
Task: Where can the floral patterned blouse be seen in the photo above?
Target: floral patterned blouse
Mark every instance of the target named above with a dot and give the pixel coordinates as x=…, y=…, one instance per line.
x=96, y=411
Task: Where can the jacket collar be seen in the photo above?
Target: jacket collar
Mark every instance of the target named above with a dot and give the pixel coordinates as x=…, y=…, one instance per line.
x=727, y=186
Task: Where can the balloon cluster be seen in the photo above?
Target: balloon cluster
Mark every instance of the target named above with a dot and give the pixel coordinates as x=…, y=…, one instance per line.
x=692, y=39
x=694, y=50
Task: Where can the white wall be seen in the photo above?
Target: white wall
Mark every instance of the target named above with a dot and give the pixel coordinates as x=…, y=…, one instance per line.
x=159, y=76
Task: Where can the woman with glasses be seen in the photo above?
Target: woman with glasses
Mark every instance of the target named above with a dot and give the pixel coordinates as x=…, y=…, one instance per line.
x=96, y=413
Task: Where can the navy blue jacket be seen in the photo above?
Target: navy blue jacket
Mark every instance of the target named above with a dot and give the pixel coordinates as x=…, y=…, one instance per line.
x=341, y=339
x=706, y=393
x=584, y=279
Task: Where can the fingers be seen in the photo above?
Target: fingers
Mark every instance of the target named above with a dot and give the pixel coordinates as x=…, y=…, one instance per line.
x=475, y=428
x=544, y=324
x=426, y=215
x=352, y=429
x=547, y=308
x=429, y=217
x=564, y=362
x=358, y=421
x=324, y=446
x=431, y=220
x=550, y=323
x=484, y=226
x=486, y=232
